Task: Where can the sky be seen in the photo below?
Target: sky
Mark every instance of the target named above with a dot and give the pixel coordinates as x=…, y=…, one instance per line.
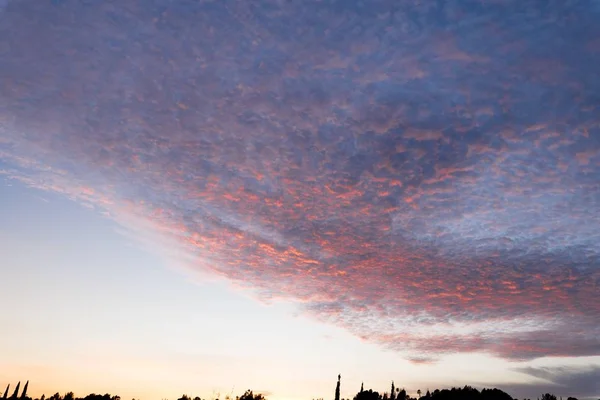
x=205, y=196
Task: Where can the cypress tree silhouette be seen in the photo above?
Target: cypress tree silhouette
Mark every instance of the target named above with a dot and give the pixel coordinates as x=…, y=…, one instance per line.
x=24, y=394
x=393, y=392
x=337, y=388
x=362, y=387
x=6, y=392
x=15, y=395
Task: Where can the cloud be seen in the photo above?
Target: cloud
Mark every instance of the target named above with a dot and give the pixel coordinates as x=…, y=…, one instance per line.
x=582, y=382
x=424, y=175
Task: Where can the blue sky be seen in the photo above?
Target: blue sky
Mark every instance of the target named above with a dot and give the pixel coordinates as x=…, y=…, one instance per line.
x=92, y=307
x=89, y=310
x=412, y=185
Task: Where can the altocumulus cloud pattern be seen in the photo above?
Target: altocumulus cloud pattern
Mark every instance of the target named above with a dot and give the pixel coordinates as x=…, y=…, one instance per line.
x=424, y=174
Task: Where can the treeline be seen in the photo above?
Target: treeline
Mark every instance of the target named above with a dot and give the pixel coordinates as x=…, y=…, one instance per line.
x=464, y=393
x=55, y=396
x=248, y=395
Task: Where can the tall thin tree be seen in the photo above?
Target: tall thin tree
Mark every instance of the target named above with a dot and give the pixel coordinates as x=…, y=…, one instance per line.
x=393, y=392
x=6, y=392
x=24, y=394
x=337, y=388
x=15, y=395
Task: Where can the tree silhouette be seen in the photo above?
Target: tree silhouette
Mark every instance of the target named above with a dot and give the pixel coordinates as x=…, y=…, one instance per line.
x=495, y=394
x=24, y=394
x=368, y=395
x=248, y=395
x=16, y=392
x=464, y=393
x=548, y=396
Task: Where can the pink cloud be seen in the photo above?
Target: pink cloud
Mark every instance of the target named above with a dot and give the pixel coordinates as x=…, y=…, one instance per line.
x=428, y=195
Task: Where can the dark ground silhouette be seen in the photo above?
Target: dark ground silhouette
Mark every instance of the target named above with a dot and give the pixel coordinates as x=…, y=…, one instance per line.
x=395, y=393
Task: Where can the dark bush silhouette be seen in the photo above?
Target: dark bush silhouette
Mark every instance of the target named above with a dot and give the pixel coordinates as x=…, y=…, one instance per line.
x=248, y=395
x=367, y=395
x=548, y=396
x=494, y=394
